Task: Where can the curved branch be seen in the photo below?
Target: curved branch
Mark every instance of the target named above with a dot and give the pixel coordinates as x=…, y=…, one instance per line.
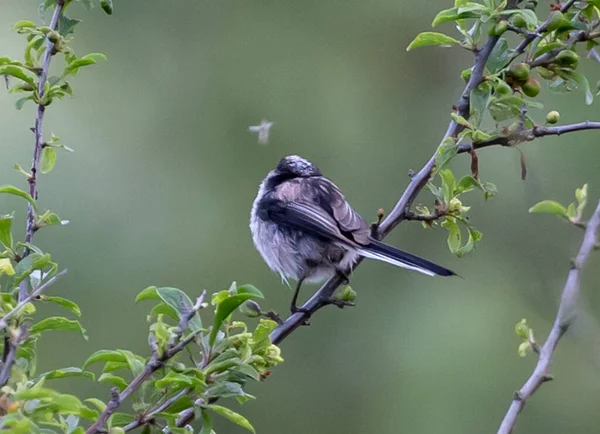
x=323, y=295
x=564, y=318
x=399, y=212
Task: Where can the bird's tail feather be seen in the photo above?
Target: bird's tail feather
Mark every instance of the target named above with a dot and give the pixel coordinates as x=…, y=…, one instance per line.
x=382, y=252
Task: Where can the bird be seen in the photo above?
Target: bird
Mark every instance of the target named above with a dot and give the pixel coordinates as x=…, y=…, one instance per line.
x=305, y=229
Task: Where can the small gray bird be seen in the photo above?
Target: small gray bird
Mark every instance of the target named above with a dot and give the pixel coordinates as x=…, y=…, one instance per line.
x=305, y=229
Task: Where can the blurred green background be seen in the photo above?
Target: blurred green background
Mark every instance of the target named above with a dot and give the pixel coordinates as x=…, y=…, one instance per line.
x=165, y=171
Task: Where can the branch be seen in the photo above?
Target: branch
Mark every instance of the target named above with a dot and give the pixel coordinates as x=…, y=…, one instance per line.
x=529, y=38
x=39, y=140
x=34, y=294
x=149, y=417
x=529, y=135
x=13, y=343
x=564, y=319
x=399, y=213
x=154, y=364
x=323, y=295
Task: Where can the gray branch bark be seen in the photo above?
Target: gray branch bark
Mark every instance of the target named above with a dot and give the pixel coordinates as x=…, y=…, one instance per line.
x=564, y=319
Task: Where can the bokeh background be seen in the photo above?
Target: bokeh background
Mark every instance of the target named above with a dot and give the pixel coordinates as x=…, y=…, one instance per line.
x=165, y=171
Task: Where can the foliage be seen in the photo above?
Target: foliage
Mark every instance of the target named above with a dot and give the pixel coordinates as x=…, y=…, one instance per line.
x=219, y=359
x=223, y=355
x=499, y=103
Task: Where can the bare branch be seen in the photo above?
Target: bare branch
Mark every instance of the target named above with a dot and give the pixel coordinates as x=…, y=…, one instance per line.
x=564, y=319
x=34, y=294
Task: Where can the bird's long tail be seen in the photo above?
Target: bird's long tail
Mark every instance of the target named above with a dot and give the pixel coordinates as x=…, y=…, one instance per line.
x=382, y=252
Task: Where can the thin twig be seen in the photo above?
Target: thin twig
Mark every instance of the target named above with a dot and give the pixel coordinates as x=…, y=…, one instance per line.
x=149, y=417
x=541, y=29
x=13, y=342
x=154, y=364
x=31, y=296
x=564, y=319
x=529, y=135
x=39, y=139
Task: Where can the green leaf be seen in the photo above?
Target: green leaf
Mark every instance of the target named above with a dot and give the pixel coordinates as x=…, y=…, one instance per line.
x=231, y=415
x=67, y=372
x=182, y=304
x=9, y=189
x=461, y=121
x=206, y=423
x=101, y=406
x=466, y=184
x=583, y=84
x=148, y=293
x=114, y=380
x=16, y=72
x=474, y=237
x=21, y=101
x=105, y=356
x=68, y=304
x=48, y=159
x=66, y=25
x=107, y=6
x=431, y=38
x=136, y=364
x=448, y=183
x=176, y=382
x=120, y=419
x=454, y=236
x=227, y=306
x=23, y=24
x=445, y=153
x=33, y=261
x=5, y=231
x=549, y=207
x=58, y=323
x=454, y=14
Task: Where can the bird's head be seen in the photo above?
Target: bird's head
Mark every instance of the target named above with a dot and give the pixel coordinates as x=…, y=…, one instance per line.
x=297, y=166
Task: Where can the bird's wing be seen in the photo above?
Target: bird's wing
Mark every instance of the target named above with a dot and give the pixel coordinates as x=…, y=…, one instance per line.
x=319, y=208
x=333, y=202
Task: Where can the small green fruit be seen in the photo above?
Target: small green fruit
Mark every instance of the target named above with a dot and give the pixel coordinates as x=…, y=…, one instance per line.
x=552, y=117
x=519, y=71
x=518, y=21
x=558, y=22
x=531, y=87
x=466, y=74
x=54, y=36
x=531, y=5
x=567, y=58
x=250, y=308
x=499, y=29
x=503, y=89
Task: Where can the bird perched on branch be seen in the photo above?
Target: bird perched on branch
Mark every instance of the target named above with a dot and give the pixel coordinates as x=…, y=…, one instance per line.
x=305, y=229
